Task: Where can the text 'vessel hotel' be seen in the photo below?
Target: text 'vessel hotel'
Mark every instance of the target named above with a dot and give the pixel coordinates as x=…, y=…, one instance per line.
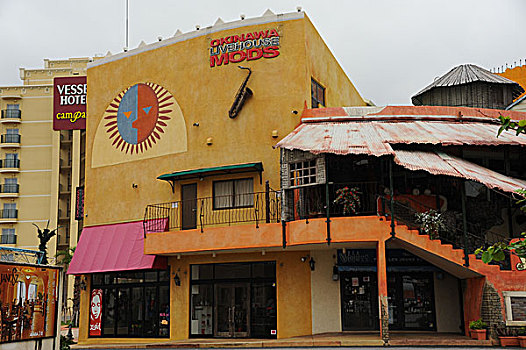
x=207, y=216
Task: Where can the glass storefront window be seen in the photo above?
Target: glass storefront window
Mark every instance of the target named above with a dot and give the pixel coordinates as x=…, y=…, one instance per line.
x=202, y=303
x=134, y=304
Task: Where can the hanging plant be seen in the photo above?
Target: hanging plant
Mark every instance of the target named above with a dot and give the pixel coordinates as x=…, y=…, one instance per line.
x=431, y=223
x=349, y=199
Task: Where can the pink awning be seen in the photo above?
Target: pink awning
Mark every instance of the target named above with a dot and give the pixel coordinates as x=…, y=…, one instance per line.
x=440, y=163
x=117, y=247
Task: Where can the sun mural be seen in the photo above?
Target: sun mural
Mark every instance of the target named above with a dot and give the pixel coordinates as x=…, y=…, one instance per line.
x=135, y=120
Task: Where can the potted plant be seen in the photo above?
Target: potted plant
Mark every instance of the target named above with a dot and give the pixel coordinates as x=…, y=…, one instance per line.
x=431, y=223
x=521, y=334
x=349, y=198
x=477, y=329
x=507, y=336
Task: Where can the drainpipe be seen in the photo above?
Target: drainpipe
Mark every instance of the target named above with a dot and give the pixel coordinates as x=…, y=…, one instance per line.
x=267, y=202
x=391, y=199
x=327, y=202
x=284, y=233
x=507, y=173
x=464, y=224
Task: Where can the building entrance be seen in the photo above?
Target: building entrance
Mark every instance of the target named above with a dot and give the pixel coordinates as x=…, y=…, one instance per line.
x=232, y=310
x=233, y=300
x=359, y=301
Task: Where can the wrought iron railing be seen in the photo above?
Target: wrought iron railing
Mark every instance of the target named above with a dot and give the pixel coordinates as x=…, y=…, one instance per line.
x=469, y=241
x=10, y=138
x=9, y=188
x=310, y=202
x=257, y=208
x=9, y=163
x=11, y=113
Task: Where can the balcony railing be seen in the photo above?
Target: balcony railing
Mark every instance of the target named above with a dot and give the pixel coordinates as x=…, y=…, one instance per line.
x=9, y=213
x=11, y=113
x=10, y=138
x=7, y=239
x=9, y=188
x=311, y=201
x=258, y=207
x=9, y=163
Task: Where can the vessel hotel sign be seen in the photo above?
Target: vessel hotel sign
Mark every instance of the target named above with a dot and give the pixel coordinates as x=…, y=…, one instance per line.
x=69, y=103
x=249, y=46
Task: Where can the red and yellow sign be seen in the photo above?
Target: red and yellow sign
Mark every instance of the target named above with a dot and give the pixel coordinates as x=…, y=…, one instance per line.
x=248, y=46
x=28, y=297
x=69, y=103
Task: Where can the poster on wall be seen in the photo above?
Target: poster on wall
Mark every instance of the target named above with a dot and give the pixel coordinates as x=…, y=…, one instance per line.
x=29, y=299
x=69, y=103
x=95, y=312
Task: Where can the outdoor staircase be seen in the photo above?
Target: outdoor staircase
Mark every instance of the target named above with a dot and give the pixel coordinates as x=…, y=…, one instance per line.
x=451, y=259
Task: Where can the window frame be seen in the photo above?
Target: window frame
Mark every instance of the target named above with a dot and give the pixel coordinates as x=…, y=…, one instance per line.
x=314, y=95
x=315, y=175
x=507, y=304
x=233, y=194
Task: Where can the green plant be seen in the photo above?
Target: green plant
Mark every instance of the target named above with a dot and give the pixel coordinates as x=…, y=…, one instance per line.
x=66, y=255
x=65, y=343
x=348, y=197
x=496, y=252
x=478, y=324
x=431, y=223
x=508, y=124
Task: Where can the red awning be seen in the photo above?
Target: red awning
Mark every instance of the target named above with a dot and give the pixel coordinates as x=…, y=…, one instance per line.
x=117, y=247
x=440, y=163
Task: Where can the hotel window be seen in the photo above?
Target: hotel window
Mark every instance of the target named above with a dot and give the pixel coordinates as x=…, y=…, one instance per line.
x=302, y=173
x=9, y=211
x=317, y=94
x=233, y=194
x=8, y=236
x=131, y=304
x=10, y=185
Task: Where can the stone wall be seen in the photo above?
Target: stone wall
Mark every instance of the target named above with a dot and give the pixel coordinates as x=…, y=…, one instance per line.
x=491, y=309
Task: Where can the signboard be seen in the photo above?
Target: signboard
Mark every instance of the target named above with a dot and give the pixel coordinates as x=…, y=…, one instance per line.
x=29, y=299
x=69, y=103
x=248, y=46
x=95, y=312
x=79, y=205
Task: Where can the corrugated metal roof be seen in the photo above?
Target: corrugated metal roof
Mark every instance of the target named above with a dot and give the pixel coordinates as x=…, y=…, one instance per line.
x=375, y=137
x=440, y=163
x=372, y=130
x=468, y=73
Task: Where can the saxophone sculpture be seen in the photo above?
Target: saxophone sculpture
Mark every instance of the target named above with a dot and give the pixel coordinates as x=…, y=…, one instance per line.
x=242, y=94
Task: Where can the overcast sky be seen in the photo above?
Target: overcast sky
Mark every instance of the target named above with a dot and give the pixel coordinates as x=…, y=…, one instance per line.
x=390, y=49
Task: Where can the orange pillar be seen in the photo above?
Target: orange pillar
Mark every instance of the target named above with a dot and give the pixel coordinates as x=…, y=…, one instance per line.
x=382, y=291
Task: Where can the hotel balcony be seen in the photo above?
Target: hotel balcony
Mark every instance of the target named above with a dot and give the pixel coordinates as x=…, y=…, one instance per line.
x=10, y=140
x=11, y=116
x=7, y=239
x=9, y=165
x=8, y=215
x=9, y=190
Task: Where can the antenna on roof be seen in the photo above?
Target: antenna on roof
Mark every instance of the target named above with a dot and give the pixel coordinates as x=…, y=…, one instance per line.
x=127, y=24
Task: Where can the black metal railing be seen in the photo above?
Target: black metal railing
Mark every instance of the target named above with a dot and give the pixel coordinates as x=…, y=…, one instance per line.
x=257, y=208
x=9, y=188
x=406, y=212
x=9, y=213
x=10, y=138
x=310, y=202
x=8, y=239
x=9, y=163
x=11, y=113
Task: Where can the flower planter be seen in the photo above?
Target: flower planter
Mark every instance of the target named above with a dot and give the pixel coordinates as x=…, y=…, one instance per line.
x=509, y=341
x=477, y=334
x=522, y=341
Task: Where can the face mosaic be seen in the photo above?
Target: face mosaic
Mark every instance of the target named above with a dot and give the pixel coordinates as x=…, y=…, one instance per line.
x=137, y=117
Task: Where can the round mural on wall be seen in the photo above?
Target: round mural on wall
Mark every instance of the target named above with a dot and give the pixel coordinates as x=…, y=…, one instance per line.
x=136, y=119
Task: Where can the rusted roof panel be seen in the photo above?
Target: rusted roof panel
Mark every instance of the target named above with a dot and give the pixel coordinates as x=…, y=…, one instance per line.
x=376, y=137
x=440, y=163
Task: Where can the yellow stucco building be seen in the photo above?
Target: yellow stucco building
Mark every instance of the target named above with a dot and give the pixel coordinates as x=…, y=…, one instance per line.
x=191, y=122
x=40, y=168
